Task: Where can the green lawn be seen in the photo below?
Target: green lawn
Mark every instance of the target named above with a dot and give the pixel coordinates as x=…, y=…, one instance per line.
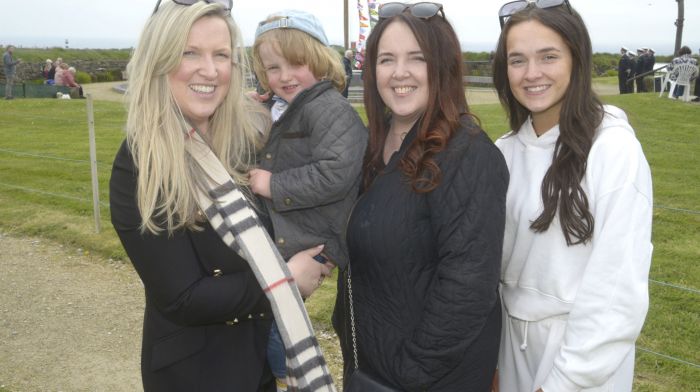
x=45, y=190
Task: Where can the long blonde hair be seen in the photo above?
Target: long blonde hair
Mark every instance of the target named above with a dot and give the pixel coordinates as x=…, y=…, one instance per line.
x=167, y=176
x=299, y=48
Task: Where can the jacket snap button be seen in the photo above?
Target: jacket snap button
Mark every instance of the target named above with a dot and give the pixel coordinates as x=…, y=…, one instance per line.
x=287, y=201
x=280, y=241
x=268, y=156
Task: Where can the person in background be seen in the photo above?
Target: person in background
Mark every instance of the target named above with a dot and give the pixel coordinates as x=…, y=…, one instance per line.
x=640, y=68
x=683, y=58
x=10, y=68
x=697, y=88
x=347, y=64
x=47, y=68
x=577, y=246
x=54, y=68
x=69, y=81
x=633, y=71
x=624, y=70
x=207, y=320
x=309, y=174
x=425, y=236
x=651, y=61
x=61, y=70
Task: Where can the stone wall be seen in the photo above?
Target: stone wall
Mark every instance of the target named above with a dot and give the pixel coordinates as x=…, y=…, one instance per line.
x=29, y=71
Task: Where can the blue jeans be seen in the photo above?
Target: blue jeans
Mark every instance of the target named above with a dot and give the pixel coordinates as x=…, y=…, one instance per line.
x=276, y=357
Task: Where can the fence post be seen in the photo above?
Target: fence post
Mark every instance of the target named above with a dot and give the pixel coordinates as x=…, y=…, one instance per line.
x=93, y=164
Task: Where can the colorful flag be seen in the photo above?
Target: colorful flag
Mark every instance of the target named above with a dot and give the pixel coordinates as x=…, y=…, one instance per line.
x=367, y=10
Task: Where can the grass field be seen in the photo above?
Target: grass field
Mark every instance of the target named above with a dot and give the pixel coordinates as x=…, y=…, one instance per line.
x=45, y=190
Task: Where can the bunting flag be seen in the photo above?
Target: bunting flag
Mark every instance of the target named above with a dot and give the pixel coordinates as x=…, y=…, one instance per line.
x=368, y=15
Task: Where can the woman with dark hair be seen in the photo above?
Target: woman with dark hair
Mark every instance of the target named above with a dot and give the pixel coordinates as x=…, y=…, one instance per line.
x=577, y=247
x=425, y=237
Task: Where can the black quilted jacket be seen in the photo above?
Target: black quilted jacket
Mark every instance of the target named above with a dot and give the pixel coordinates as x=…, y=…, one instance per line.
x=425, y=270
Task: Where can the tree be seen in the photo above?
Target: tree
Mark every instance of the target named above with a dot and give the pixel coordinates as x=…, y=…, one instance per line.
x=679, y=26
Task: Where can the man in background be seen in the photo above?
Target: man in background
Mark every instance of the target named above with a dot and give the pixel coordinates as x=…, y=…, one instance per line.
x=697, y=88
x=10, y=65
x=624, y=69
x=347, y=64
x=640, y=68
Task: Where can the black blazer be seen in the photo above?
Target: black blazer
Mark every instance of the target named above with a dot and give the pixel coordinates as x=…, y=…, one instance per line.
x=207, y=321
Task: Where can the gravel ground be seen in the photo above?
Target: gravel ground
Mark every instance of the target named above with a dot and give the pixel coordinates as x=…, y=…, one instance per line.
x=68, y=321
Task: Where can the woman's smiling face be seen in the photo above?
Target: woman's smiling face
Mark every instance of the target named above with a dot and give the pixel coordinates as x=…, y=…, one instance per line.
x=201, y=81
x=539, y=71
x=402, y=73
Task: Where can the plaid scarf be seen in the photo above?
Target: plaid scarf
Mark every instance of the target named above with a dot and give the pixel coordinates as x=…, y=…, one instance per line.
x=238, y=225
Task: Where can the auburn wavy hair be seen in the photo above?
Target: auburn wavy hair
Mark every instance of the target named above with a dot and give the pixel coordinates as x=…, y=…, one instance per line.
x=447, y=105
x=581, y=114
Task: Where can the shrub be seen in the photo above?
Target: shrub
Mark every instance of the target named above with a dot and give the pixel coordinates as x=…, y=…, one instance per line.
x=82, y=77
x=611, y=72
x=116, y=74
x=103, y=77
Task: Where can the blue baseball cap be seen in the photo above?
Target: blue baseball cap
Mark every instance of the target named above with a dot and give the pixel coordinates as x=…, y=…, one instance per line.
x=294, y=19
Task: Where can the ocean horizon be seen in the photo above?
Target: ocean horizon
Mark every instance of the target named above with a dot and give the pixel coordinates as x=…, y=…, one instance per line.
x=72, y=42
x=130, y=42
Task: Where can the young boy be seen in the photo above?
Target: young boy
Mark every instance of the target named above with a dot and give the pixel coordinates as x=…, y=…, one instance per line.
x=309, y=172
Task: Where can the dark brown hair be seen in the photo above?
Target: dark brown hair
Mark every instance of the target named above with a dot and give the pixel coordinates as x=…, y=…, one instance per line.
x=581, y=114
x=446, y=102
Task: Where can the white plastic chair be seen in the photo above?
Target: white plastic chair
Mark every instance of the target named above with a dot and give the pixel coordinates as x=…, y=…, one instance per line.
x=665, y=79
x=683, y=73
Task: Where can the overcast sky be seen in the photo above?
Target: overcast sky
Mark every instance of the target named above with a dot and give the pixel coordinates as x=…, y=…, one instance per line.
x=117, y=24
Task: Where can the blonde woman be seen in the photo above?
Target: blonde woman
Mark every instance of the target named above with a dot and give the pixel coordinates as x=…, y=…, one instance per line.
x=206, y=320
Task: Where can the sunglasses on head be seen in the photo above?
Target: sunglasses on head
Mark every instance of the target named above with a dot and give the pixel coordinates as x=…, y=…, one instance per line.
x=513, y=7
x=227, y=4
x=424, y=10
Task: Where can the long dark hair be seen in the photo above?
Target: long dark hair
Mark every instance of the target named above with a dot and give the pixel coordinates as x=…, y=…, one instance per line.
x=581, y=114
x=446, y=103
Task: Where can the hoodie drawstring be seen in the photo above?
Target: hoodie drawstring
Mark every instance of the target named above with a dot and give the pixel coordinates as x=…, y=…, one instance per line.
x=523, y=346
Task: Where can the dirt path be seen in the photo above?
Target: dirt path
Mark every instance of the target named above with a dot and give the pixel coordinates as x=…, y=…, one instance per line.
x=68, y=321
x=103, y=91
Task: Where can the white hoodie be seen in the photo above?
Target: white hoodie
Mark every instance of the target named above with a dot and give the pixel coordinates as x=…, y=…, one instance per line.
x=600, y=287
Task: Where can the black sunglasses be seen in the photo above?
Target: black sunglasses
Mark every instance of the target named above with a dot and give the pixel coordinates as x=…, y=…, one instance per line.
x=513, y=7
x=424, y=10
x=227, y=4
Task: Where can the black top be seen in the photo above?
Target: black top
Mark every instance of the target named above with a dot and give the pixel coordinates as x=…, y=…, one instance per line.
x=206, y=321
x=425, y=270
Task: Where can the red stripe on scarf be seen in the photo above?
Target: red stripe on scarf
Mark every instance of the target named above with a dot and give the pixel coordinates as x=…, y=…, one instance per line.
x=279, y=282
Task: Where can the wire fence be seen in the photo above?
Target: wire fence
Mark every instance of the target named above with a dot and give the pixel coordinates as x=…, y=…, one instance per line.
x=89, y=200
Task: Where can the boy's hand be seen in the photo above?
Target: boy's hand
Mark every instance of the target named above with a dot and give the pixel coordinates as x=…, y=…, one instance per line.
x=255, y=96
x=260, y=182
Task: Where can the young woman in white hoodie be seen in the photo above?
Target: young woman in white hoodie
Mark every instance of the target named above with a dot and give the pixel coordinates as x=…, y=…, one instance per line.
x=577, y=244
